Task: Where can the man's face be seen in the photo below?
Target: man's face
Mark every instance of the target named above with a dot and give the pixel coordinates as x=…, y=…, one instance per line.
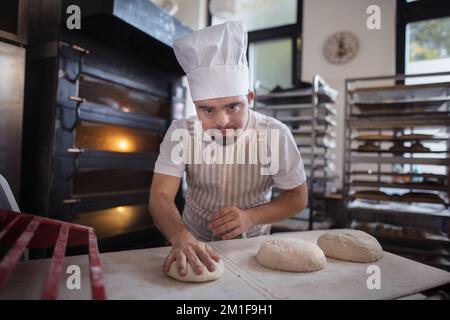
x=224, y=113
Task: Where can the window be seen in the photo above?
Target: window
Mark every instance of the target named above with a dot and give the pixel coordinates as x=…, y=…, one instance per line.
x=273, y=59
x=423, y=46
x=423, y=39
x=274, y=28
x=428, y=48
x=264, y=14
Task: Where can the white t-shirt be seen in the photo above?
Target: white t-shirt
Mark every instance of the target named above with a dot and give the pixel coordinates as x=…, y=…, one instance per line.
x=290, y=173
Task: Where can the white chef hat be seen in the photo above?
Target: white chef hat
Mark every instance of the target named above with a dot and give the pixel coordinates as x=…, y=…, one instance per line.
x=215, y=60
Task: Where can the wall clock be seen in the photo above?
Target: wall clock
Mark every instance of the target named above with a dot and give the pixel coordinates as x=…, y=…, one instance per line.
x=341, y=47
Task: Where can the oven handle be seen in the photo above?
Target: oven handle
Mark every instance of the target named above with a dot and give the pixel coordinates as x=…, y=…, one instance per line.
x=75, y=150
x=77, y=153
x=82, y=53
x=79, y=101
x=71, y=201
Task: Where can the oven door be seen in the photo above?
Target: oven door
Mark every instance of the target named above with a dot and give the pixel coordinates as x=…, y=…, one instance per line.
x=110, y=124
x=107, y=142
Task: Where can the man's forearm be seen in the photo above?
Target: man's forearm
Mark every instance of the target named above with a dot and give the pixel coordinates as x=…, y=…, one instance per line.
x=282, y=207
x=167, y=218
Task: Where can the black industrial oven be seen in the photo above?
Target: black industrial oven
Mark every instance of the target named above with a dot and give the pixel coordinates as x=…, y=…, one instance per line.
x=98, y=102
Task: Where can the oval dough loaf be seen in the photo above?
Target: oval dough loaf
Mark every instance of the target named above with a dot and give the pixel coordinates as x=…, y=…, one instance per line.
x=350, y=245
x=191, y=276
x=289, y=254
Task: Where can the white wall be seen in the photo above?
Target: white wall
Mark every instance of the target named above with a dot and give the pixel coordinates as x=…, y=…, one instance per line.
x=376, y=55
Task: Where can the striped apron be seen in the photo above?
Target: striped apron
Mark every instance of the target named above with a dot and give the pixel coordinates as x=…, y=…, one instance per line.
x=211, y=187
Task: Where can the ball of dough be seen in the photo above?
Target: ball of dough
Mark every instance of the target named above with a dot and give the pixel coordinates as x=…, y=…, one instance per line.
x=191, y=276
x=350, y=245
x=289, y=254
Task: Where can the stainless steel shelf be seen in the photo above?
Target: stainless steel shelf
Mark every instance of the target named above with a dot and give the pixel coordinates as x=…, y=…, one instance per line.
x=382, y=114
x=319, y=167
x=413, y=251
x=430, y=238
x=406, y=185
x=400, y=139
x=399, y=151
x=303, y=119
x=301, y=133
x=402, y=102
x=399, y=87
x=396, y=123
x=296, y=106
x=325, y=94
x=399, y=213
x=400, y=160
x=319, y=145
x=306, y=154
x=411, y=240
x=397, y=174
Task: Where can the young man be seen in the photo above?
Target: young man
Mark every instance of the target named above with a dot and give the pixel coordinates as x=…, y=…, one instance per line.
x=228, y=191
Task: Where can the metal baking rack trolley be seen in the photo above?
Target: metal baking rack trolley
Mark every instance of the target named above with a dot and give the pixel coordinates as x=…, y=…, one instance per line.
x=396, y=166
x=309, y=112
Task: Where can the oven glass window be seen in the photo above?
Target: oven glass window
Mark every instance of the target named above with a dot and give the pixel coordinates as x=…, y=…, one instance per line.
x=105, y=137
x=111, y=181
x=113, y=221
x=122, y=98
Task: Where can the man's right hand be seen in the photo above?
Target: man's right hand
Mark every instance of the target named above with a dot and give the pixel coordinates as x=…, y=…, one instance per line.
x=186, y=249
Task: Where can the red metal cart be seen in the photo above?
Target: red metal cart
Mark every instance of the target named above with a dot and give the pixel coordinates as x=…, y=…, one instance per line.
x=21, y=231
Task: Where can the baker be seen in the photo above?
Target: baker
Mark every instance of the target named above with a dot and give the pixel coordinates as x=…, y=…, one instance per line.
x=227, y=196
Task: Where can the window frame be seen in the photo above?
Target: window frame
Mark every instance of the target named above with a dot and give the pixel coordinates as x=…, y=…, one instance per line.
x=293, y=31
x=408, y=12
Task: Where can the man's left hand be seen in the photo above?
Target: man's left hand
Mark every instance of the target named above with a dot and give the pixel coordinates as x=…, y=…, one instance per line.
x=229, y=222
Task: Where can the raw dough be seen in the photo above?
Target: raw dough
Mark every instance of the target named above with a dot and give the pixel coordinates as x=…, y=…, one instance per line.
x=191, y=276
x=289, y=254
x=351, y=245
